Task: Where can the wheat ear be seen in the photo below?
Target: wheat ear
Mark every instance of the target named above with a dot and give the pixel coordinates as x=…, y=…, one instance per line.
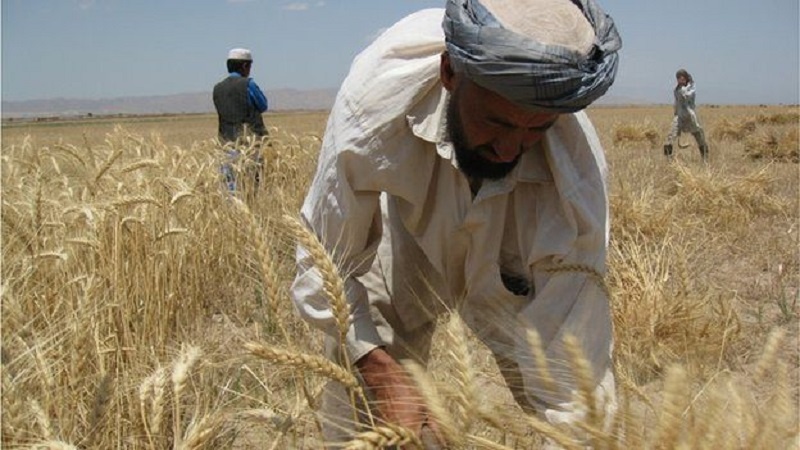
x=582, y=372
x=45, y=427
x=201, y=432
x=452, y=433
x=779, y=426
x=145, y=390
x=769, y=355
x=266, y=263
x=136, y=200
x=52, y=445
x=312, y=363
x=673, y=404
x=483, y=443
x=180, y=375
x=141, y=164
x=551, y=432
x=332, y=286
x=158, y=400
x=332, y=283
x=464, y=371
x=542, y=365
x=107, y=165
x=383, y=437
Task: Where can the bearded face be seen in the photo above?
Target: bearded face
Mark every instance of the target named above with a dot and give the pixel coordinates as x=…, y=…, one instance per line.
x=469, y=159
x=490, y=133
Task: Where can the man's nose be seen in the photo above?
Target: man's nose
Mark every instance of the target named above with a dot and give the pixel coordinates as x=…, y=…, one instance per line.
x=508, y=146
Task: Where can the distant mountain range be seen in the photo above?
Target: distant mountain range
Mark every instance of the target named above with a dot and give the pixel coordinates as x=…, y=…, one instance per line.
x=186, y=103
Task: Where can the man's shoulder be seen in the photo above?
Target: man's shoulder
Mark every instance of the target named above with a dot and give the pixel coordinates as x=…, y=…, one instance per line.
x=386, y=81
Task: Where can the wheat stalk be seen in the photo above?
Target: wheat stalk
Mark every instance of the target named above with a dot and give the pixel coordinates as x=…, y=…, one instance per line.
x=591, y=272
x=102, y=398
x=37, y=212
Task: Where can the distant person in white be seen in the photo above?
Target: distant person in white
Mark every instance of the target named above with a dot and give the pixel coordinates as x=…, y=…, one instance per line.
x=684, y=118
x=456, y=171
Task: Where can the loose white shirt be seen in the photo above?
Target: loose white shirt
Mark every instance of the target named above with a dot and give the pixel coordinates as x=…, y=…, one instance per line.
x=388, y=193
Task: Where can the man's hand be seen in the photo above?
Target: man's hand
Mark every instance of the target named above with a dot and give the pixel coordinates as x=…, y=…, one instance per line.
x=396, y=395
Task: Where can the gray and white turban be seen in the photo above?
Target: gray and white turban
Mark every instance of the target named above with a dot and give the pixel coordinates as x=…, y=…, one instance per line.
x=526, y=71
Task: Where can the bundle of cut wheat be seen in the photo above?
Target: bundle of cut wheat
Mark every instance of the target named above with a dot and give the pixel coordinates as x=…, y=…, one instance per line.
x=635, y=133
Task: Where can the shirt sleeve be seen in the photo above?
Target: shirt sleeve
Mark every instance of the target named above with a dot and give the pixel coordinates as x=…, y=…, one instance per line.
x=347, y=220
x=256, y=96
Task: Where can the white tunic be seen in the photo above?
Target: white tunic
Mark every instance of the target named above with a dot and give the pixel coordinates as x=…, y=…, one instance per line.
x=392, y=207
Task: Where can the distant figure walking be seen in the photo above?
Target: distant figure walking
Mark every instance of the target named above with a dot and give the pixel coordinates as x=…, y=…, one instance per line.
x=685, y=118
x=239, y=103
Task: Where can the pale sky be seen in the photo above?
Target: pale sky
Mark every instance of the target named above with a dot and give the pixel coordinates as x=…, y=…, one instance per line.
x=739, y=52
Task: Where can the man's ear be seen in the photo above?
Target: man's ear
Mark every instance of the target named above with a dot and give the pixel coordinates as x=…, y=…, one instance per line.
x=446, y=72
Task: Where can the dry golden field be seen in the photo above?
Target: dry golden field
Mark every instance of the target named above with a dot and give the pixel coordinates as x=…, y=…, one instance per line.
x=144, y=308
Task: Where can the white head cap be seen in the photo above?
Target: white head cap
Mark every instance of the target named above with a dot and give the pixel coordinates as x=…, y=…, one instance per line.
x=547, y=21
x=240, y=53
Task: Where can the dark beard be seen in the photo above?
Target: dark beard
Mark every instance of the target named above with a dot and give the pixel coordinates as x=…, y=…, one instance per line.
x=469, y=160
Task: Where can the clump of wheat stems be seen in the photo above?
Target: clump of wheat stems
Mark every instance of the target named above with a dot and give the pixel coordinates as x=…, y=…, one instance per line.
x=781, y=118
x=774, y=145
x=724, y=201
x=733, y=129
x=117, y=250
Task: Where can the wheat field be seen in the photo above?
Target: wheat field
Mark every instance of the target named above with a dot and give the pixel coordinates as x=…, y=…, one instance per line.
x=145, y=308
